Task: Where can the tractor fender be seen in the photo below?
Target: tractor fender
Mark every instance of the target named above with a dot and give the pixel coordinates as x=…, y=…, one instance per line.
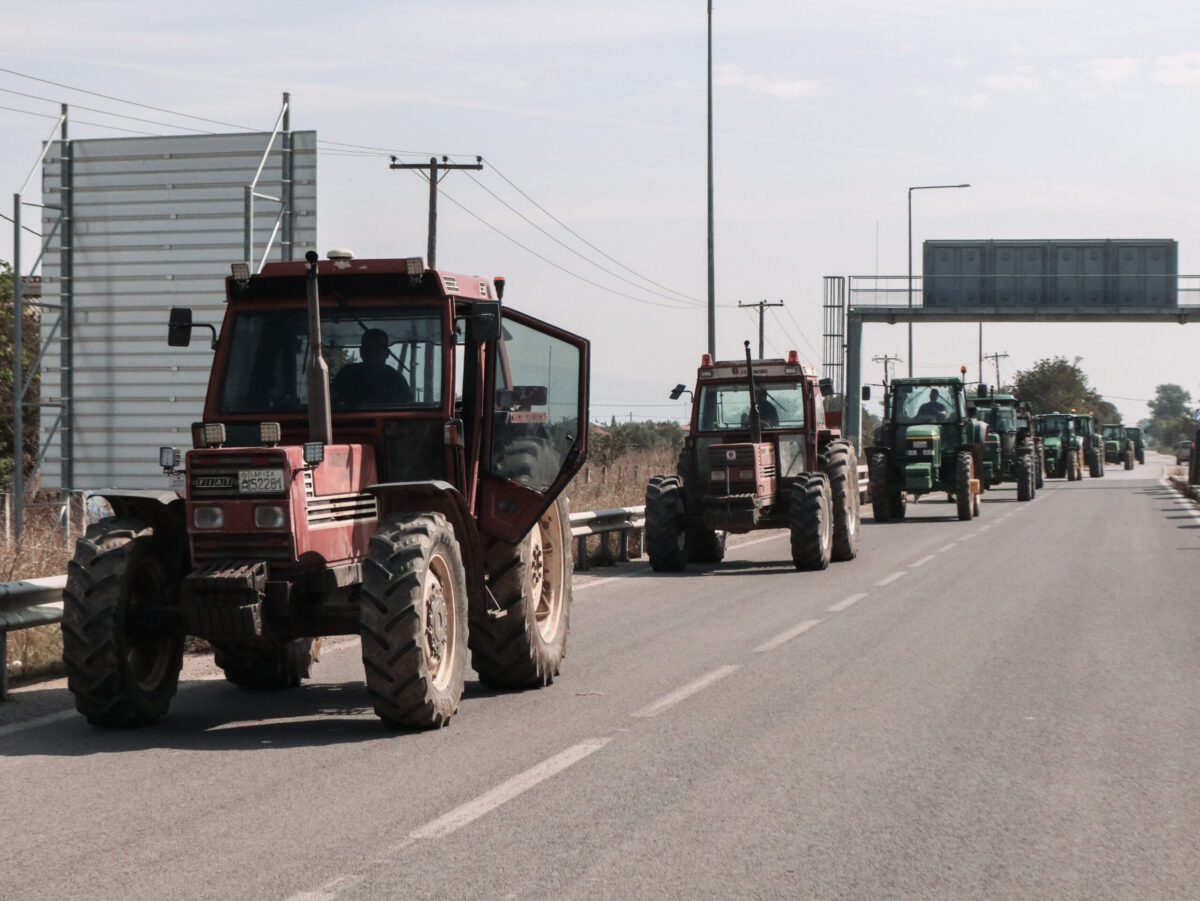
x=437, y=496
x=163, y=510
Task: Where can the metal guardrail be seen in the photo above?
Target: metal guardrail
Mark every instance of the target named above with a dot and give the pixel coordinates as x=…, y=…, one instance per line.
x=600, y=522
x=32, y=602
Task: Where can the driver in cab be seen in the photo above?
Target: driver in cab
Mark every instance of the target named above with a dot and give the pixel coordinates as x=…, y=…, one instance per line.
x=372, y=382
x=933, y=409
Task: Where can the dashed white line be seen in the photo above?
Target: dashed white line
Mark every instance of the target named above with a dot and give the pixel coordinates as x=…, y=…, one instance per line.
x=787, y=636
x=922, y=561
x=686, y=692
x=892, y=578
x=968, y=536
x=945, y=548
x=848, y=602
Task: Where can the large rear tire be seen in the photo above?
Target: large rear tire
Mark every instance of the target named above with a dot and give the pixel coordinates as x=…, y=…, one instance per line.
x=531, y=582
x=414, y=621
x=840, y=465
x=1039, y=469
x=878, y=471
x=1096, y=464
x=811, y=522
x=1025, y=477
x=666, y=524
x=268, y=665
x=963, y=466
x=1073, y=470
x=120, y=674
x=1128, y=458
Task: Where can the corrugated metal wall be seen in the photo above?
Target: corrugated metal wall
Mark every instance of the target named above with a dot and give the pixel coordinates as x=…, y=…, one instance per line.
x=157, y=221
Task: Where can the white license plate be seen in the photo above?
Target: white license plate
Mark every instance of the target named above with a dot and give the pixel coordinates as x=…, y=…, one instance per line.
x=260, y=481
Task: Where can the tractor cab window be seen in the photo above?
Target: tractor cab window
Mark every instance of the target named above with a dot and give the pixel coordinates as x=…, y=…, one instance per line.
x=536, y=409
x=1051, y=428
x=380, y=359
x=727, y=407
x=1002, y=419
x=927, y=403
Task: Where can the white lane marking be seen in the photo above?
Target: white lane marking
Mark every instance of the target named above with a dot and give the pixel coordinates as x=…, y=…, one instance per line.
x=922, y=561
x=506, y=791
x=686, y=692
x=848, y=602
x=969, y=536
x=947, y=547
x=892, y=578
x=6, y=731
x=787, y=636
x=329, y=891
x=760, y=540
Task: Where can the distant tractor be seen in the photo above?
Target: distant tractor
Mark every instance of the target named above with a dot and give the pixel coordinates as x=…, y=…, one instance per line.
x=1010, y=451
x=758, y=455
x=1118, y=446
x=413, y=500
x=1134, y=434
x=1062, y=446
x=1088, y=428
x=928, y=442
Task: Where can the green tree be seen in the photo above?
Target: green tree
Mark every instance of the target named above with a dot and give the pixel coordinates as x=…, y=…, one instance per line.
x=1057, y=385
x=1170, y=416
x=31, y=339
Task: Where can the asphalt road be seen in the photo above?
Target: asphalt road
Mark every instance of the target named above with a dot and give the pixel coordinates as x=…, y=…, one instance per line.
x=1005, y=708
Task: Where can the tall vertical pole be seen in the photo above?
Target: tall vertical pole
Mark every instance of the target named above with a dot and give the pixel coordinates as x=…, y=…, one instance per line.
x=712, y=290
x=288, y=194
x=910, y=299
x=67, y=296
x=981, y=352
x=18, y=375
x=762, y=305
x=433, y=182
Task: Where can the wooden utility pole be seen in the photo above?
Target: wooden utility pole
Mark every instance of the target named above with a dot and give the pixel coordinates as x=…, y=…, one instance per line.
x=885, y=360
x=762, y=304
x=995, y=358
x=433, y=166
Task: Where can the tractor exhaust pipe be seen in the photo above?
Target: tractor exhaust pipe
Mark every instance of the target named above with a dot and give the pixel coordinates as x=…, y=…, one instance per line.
x=755, y=421
x=320, y=419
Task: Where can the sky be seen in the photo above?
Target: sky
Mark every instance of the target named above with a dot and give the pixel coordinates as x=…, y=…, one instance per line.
x=1069, y=120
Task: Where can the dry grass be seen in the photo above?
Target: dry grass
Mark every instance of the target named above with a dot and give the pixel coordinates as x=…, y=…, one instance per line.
x=43, y=552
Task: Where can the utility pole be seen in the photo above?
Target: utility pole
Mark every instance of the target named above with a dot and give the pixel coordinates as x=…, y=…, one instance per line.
x=433, y=166
x=712, y=282
x=885, y=360
x=762, y=305
x=995, y=358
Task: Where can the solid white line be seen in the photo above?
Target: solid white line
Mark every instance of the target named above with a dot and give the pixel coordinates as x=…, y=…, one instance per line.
x=686, y=692
x=892, y=578
x=922, y=561
x=506, y=791
x=842, y=605
x=787, y=636
x=943, y=550
x=760, y=540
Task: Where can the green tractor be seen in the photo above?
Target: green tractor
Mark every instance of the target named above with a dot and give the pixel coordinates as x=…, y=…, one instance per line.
x=1062, y=446
x=1139, y=443
x=1118, y=446
x=1010, y=452
x=1093, y=443
x=928, y=442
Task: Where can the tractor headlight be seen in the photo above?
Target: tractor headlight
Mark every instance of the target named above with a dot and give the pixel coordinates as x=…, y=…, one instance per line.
x=268, y=517
x=208, y=517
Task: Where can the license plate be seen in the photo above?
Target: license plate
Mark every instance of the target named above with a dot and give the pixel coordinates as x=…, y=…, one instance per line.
x=260, y=481
x=919, y=444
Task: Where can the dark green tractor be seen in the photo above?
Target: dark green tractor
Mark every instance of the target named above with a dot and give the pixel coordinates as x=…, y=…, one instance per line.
x=928, y=442
x=1010, y=452
x=1062, y=446
x=1093, y=443
x=1139, y=443
x=1118, y=446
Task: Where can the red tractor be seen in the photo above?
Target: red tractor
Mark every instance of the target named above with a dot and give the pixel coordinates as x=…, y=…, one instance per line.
x=412, y=499
x=758, y=455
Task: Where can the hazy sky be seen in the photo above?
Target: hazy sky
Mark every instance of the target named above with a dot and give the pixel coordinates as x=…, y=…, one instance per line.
x=1069, y=119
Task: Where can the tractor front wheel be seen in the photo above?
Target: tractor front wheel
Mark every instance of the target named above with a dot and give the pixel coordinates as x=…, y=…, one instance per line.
x=531, y=581
x=1025, y=477
x=840, y=465
x=811, y=522
x=963, y=468
x=666, y=524
x=266, y=665
x=877, y=470
x=1128, y=459
x=414, y=621
x=120, y=673
x=1074, y=473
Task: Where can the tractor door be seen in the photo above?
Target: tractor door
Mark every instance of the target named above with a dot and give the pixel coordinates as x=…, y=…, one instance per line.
x=536, y=438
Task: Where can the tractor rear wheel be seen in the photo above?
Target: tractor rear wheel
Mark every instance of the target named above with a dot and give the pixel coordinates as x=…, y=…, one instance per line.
x=963, y=466
x=1141, y=456
x=840, y=465
x=666, y=524
x=811, y=522
x=1073, y=473
x=120, y=674
x=1128, y=459
x=531, y=581
x=1039, y=469
x=1025, y=478
x=414, y=620
x=705, y=545
x=878, y=472
x=266, y=664
x=1096, y=464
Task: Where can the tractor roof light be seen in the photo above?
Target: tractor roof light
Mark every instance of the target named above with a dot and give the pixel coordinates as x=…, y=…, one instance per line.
x=706, y=360
x=214, y=434
x=415, y=266
x=269, y=433
x=793, y=357
x=240, y=272
x=168, y=458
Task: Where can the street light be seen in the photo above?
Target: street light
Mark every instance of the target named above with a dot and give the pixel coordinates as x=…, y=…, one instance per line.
x=910, y=275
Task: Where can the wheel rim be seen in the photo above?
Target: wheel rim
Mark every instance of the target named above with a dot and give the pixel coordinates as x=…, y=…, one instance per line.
x=438, y=633
x=148, y=660
x=547, y=573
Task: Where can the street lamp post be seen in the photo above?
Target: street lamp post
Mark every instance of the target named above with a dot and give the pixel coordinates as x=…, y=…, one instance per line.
x=910, y=273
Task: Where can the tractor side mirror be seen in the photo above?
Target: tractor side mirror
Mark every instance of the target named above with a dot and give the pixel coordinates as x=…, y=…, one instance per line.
x=677, y=391
x=484, y=324
x=866, y=392
x=826, y=387
x=179, y=327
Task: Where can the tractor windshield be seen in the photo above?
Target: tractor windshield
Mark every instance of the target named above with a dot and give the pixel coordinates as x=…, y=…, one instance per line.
x=926, y=403
x=1052, y=427
x=380, y=358
x=727, y=407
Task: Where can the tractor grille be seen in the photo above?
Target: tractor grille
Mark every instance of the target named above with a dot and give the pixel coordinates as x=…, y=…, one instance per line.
x=234, y=546
x=215, y=476
x=341, y=508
